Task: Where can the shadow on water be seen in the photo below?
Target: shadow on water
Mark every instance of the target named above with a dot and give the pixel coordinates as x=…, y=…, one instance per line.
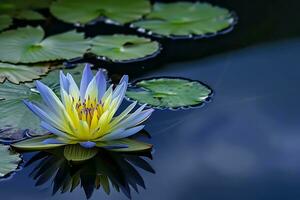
x=104, y=170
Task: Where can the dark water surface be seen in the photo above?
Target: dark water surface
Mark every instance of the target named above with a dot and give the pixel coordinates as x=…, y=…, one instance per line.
x=245, y=143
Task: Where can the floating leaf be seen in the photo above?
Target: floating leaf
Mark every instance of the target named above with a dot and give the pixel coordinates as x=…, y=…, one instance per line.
x=15, y=116
x=29, y=15
x=9, y=161
x=35, y=143
x=78, y=153
x=129, y=145
x=121, y=145
x=120, y=48
x=27, y=45
x=185, y=19
x=84, y=11
x=5, y=21
x=169, y=92
x=21, y=9
x=21, y=73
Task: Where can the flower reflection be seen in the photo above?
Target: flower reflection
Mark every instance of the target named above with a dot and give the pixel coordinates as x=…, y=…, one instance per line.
x=102, y=170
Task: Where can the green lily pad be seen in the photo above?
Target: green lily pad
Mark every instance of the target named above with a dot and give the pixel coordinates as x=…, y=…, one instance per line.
x=5, y=21
x=28, y=45
x=185, y=19
x=35, y=143
x=85, y=11
x=9, y=161
x=29, y=15
x=15, y=116
x=169, y=92
x=78, y=153
x=21, y=9
x=120, y=48
x=131, y=145
x=21, y=73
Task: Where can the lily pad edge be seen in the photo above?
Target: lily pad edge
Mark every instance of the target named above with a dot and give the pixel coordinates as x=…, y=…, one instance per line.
x=199, y=105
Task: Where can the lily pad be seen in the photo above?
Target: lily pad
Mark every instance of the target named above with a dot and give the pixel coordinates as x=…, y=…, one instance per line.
x=28, y=45
x=85, y=11
x=185, y=19
x=21, y=73
x=5, y=21
x=129, y=145
x=169, y=92
x=9, y=161
x=120, y=145
x=21, y=9
x=35, y=143
x=78, y=153
x=15, y=116
x=121, y=48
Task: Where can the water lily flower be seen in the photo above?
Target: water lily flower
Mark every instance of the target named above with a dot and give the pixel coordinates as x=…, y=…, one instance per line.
x=86, y=115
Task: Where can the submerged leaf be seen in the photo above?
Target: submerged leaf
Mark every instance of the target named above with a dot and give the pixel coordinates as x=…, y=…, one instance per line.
x=5, y=21
x=9, y=161
x=169, y=92
x=120, y=48
x=15, y=116
x=78, y=153
x=27, y=45
x=84, y=11
x=21, y=73
x=185, y=18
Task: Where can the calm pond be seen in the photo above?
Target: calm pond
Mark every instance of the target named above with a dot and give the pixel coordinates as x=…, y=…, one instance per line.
x=243, y=144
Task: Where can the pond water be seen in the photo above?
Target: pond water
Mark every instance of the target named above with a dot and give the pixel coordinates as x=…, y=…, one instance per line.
x=243, y=144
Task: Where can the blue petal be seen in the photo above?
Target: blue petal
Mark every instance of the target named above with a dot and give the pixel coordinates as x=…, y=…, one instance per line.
x=131, y=117
x=64, y=83
x=55, y=131
x=87, y=76
x=87, y=144
x=73, y=89
x=141, y=117
x=42, y=114
x=124, y=79
x=50, y=98
x=101, y=84
x=121, y=133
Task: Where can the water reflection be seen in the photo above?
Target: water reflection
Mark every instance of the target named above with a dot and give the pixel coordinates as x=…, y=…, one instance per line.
x=107, y=170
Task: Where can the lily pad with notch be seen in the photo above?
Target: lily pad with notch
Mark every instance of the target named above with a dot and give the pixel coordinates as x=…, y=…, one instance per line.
x=9, y=161
x=22, y=73
x=124, y=48
x=16, y=119
x=186, y=20
x=86, y=11
x=28, y=45
x=169, y=92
